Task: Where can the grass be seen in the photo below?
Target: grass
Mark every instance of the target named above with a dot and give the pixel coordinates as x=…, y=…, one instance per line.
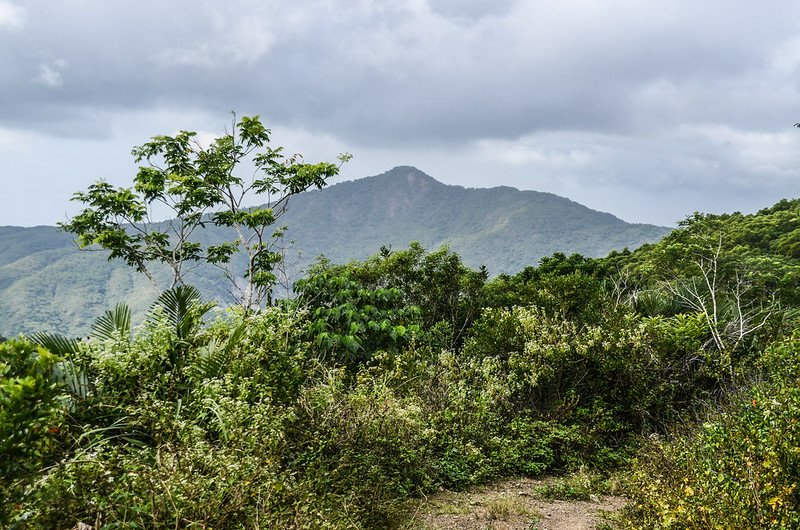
x=579, y=486
x=505, y=506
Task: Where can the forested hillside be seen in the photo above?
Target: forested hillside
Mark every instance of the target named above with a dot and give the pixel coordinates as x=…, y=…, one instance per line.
x=502, y=228
x=670, y=371
x=46, y=283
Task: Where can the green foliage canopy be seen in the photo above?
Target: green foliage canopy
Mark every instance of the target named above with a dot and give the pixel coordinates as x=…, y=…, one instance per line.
x=351, y=321
x=448, y=294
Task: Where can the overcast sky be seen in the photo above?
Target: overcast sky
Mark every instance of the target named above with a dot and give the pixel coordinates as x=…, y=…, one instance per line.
x=649, y=110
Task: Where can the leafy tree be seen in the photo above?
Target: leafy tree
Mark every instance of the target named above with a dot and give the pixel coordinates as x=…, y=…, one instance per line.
x=199, y=185
x=448, y=294
x=351, y=321
x=570, y=286
x=727, y=269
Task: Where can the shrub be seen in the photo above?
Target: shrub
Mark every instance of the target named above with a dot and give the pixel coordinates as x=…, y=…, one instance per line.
x=587, y=381
x=32, y=414
x=361, y=451
x=740, y=468
x=350, y=322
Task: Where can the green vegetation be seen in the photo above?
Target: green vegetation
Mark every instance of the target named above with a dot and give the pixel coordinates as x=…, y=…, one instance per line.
x=580, y=486
x=738, y=467
x=675, y=366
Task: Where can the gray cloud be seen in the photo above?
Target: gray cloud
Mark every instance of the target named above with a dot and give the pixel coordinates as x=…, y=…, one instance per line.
x=12, y=16
x=469, y=11
x=404, y=71
x=561, y=95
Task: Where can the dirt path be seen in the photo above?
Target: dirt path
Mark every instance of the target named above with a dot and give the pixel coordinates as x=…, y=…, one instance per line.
x=511, y=505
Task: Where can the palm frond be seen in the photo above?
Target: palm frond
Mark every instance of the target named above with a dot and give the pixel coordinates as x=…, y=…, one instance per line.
x=183, y=308
x=73, y=377
x=653, y=303
x=217, y=414
x=65, y=371
x=113, y=325
x=212, y=359
x=55, y=343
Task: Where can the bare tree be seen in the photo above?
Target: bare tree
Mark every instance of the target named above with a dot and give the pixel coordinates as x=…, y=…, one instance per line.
x=723, y=298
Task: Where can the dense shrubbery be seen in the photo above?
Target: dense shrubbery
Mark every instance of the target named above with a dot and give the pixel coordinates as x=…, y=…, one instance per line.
x=389, y=378
x=269, y=435
x=737, y=465
x=738, y=468
x=32, y=412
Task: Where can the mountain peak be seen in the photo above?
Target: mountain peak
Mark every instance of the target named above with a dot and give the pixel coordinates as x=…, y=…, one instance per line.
x=411, y=176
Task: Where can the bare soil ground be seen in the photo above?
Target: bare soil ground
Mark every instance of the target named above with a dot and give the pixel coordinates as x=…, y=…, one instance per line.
x=511, y=505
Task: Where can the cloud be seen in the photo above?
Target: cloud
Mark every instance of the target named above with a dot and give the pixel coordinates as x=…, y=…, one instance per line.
x=470, y=10
x=532, y=150
x=570, y=96
x=241, y=42
x=760, y=158
x=416, y=72
x=11, y=15
x=49, y=74
x=14, y=141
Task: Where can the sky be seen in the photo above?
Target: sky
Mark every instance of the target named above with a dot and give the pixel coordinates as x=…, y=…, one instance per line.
x=649, y=110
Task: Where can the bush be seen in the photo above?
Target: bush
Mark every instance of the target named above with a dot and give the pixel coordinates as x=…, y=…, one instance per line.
x=193, y=443
x=351, y=322
x=592, y=383
x=32, y=414
x=740, y=468
x=361, y=451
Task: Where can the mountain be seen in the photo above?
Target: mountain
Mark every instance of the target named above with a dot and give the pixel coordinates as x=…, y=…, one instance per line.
x=46, y=283
x=503, y=228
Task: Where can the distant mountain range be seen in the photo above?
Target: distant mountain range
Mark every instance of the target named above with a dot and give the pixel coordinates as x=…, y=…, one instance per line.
x=46, y=283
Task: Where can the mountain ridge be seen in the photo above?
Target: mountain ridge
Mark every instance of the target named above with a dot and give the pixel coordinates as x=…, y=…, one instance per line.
x=471, y=212
x=46, y=283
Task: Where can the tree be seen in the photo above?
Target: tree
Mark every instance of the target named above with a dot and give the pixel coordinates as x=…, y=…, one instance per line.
x=723, y=268
x=349, y=320
x=724, y=295
x=448, y=293
x=198, y=186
